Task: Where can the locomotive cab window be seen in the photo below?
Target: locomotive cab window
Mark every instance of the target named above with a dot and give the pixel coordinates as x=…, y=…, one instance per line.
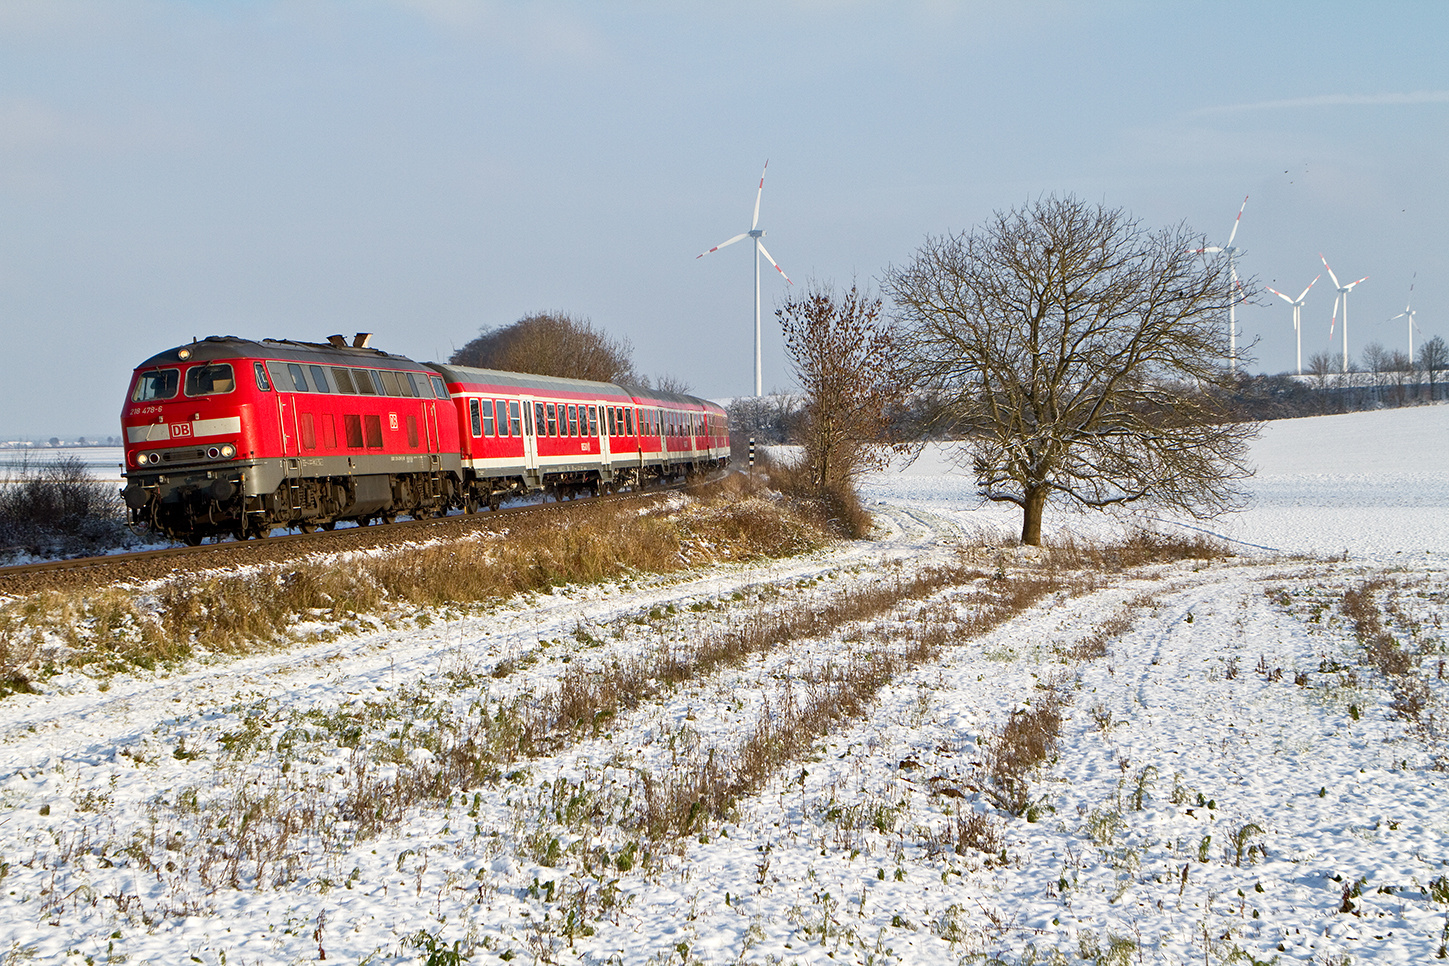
x=210, y=379
x=263, y=383
x=439, y=390
x=156, y=384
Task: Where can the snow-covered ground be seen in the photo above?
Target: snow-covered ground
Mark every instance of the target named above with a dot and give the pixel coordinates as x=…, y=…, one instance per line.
x=1234, y=778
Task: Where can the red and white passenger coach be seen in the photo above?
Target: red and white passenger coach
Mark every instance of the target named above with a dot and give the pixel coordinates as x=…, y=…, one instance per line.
x=233, y=436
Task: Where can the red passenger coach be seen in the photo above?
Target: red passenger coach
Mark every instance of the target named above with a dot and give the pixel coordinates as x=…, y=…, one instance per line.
x=524, y=432
x=233, y=436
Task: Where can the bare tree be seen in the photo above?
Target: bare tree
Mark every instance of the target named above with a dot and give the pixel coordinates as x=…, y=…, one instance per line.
x=551, y=344
x=1433, y=356
x=841, y=351
x=1323, y=370
x=1375, y=360
x=1400, y=369
x=1087, y=356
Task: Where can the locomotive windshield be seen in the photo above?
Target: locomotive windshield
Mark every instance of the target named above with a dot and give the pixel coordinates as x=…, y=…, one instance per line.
x=156, y=384
x=209, y=379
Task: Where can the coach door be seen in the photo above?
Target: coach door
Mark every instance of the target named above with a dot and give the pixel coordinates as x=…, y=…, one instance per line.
x=531, y=475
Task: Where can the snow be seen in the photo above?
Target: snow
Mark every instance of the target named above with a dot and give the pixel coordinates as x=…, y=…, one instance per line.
x=1231, y=773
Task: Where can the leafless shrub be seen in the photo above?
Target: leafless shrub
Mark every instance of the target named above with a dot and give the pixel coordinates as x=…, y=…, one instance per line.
x=1023, y=742
x=59, y=507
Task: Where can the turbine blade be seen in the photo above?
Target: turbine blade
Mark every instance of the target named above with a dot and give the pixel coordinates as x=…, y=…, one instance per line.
x=1330, y=274
x=1334, y=321
x=755, y=222
x=724, y=243
x=761, y=247
x=1236, y=222
x=1350, y=285
x=1279, y=294
x=1310, y=285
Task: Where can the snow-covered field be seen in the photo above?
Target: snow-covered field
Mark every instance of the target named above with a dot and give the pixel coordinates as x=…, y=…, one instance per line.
x=1234, y=779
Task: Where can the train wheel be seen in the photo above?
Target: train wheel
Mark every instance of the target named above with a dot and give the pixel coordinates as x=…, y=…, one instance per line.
x=470, y=503
x=389, y=518
x=191, y=539
x=307, y=527
x=329, y=525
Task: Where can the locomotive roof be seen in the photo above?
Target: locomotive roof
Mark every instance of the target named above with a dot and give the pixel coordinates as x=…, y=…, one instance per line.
x=232, y=347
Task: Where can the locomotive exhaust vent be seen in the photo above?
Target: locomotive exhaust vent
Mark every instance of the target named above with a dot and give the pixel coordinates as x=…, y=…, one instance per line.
x=361, y=339
x=339, y=341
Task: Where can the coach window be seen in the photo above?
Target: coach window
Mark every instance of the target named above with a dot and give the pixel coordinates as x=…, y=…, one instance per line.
x=540, y=427
x=552, y=420
x=629, y=421
x=501, y=425
x=439, y=390
x=319, y=379
x=482, y=410
x=389, y=383
x=514, y=423
x=593, y=421
x=343, y=378
x=263, y=383
x=210, y=379
x=609, y=419
x=573, y=419
x=477, y=419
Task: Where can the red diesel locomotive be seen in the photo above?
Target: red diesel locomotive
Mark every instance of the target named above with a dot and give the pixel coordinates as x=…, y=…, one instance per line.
x=233, y=436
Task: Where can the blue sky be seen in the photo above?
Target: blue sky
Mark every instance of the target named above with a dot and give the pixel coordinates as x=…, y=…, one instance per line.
x=423, y=169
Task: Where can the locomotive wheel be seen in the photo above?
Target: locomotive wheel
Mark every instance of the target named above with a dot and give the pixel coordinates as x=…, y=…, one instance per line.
x=471, y=503
x=191, y=539
x=329, y=525
x=307, y=527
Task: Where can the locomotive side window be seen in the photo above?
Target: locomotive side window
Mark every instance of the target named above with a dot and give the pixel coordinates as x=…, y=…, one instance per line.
x=319, y=379
x=343, y=377
x=389, y=383
x=439, y=390
x=490, y=428
x=475, y=416
x=210, y=379
x=299, y=378
x=308, y=430
x=263, y=383
x=362, y=382
x=373, y=425
x=156, y=384
x=413, y=431
x=515, y=425
x=352, y=426
x=409, y=384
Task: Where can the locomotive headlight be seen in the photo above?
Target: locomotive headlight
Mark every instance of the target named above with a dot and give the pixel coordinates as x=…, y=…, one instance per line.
x=214, y=452
x=152, y=457
x=183, y=354
x=228, y=451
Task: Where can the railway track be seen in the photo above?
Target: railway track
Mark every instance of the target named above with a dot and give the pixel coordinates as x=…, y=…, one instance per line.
x=83, y=572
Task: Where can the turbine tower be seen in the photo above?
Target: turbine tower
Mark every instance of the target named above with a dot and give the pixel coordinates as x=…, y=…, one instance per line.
x=1342, y=296
x=1232, y=254
x=1297, y=314
x=757, y=233
x=1408, y=313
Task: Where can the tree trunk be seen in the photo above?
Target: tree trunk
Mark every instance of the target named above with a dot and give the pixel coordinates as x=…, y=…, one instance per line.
x=1031, y=511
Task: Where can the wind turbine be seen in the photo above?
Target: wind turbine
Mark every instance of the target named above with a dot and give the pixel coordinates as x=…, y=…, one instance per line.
x=1342, y=296
x=1297, y=314
x=757, y=233
x=1408, y=313
x=1232, y=254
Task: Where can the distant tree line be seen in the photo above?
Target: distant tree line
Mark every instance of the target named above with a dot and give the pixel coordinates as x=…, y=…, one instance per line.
x=1380, y=378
